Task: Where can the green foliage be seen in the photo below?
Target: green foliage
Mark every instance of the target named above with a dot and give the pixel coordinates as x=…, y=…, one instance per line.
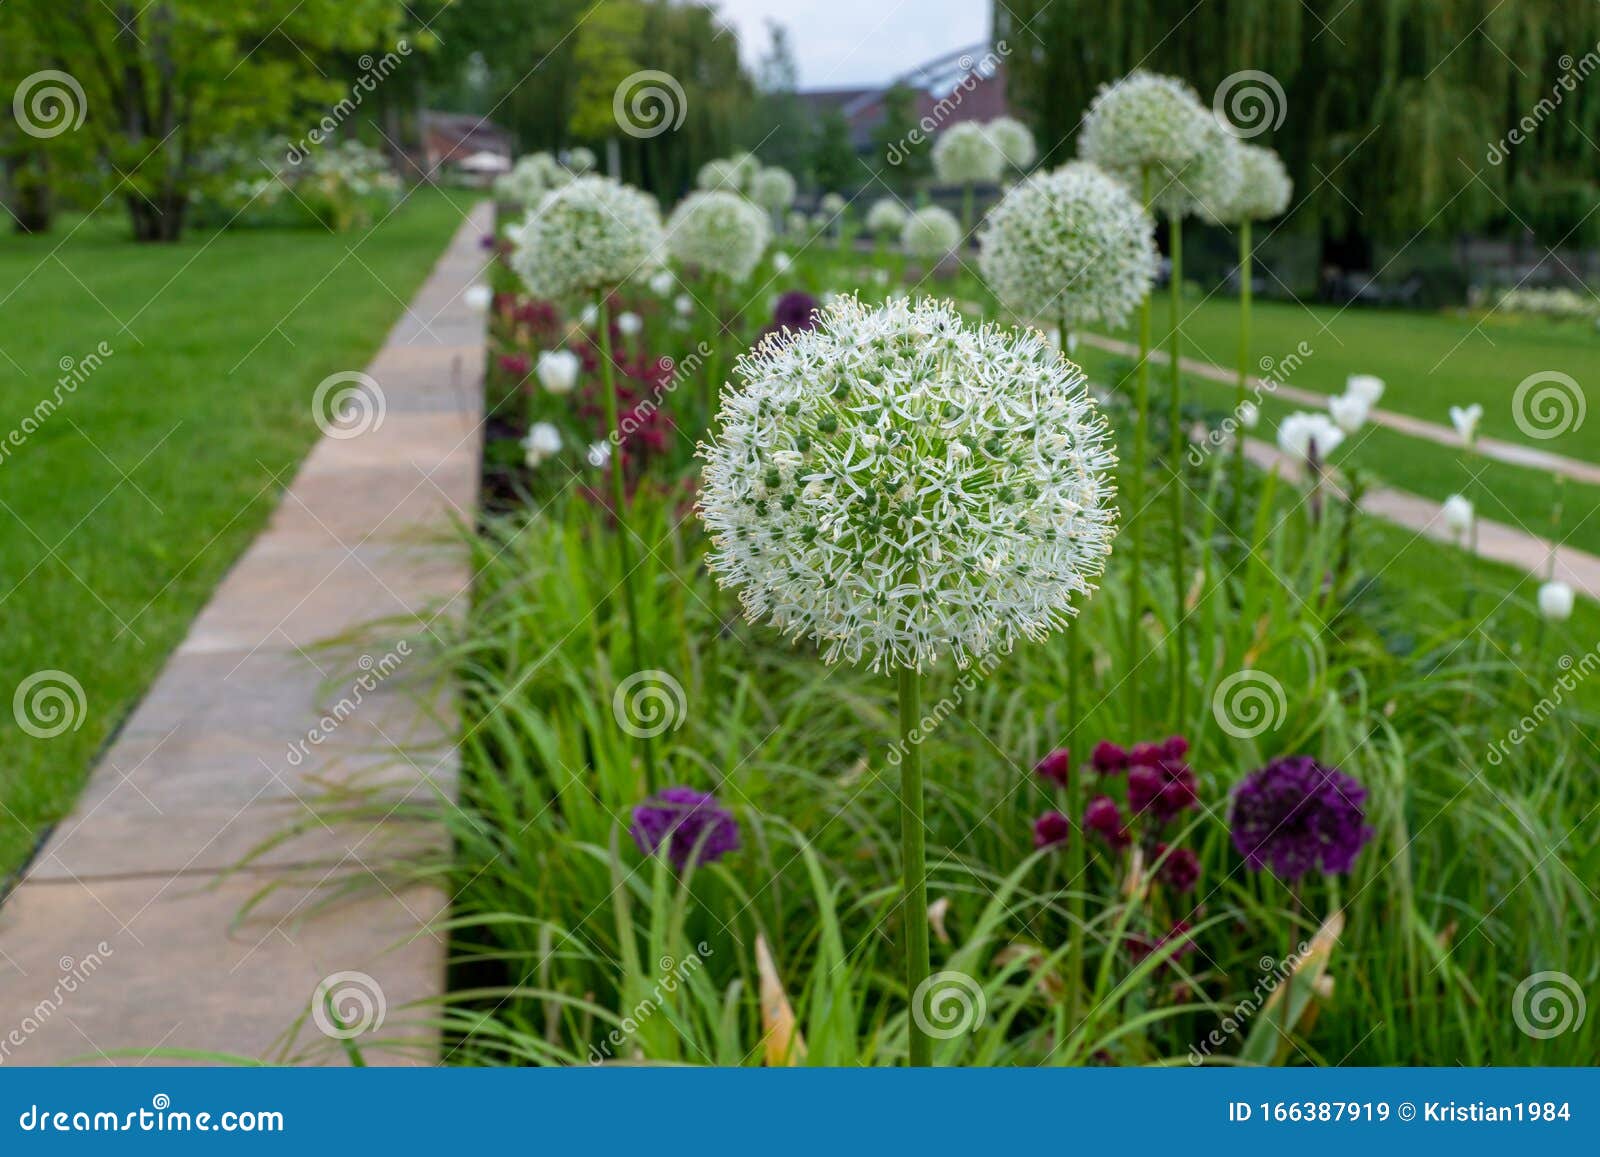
x=903, y=155
x=834, y=165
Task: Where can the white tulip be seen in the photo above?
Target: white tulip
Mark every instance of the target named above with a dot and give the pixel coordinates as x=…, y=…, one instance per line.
x=1298, y=433
x=1457, y=513
x=542, y=441
x=1364, y=386
x=1349, y=412
x=1465, y=420
x=558, y=370
x=478, y=297
x=1555, y=601
x=628, y=324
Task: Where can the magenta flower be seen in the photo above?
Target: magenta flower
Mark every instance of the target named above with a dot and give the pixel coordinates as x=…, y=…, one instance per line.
x=1055, y=767
x=1051, y=829
x=1295, y=816
x=690, y=824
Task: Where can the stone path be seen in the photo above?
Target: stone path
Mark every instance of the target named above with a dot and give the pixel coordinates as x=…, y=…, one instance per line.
x=1510, y=453
x=1496, y=541
x=135, y=928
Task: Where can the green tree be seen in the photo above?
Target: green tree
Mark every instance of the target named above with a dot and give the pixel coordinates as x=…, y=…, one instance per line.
x=834, y=165
x=780, y=123
x=902, y=151
x=164, y=81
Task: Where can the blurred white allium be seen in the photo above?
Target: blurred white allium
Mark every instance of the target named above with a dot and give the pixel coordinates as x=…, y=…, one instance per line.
x=683, y=304
x=1014, y=141
x=1555, y=601
x=1072, y=245
x=477, y=297
x=530, y=179
x=592, y=234
x=558, y=370
x=1143, y=121
x=899, y=486
x=1262, y=192
x=1465, y=419
x=542, y=441
x=886, y=217
x=1457, y=513
x=1210, y=181
x=773, y=189
x=1299, y=432
x=661, y=282
x=781, y=262
x=599, y=454
x=832, y=204
x=580, y=160
x=1249, y=415
x=1367, y=387
x=721, y=174
x=719, y=233
x=796, y=222
x=1348, y=412
x=629, y=324
x=965, y=154
x=930, y=233
x=588, y=316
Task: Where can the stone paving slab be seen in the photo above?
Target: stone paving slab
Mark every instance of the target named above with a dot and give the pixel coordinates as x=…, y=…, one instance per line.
x=257, y=724
x=1511, y=453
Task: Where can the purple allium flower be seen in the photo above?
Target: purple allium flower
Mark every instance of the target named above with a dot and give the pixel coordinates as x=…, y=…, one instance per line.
x=1141, y=946
x=1295, y=815
x=1175, y=748
x=1161, y=789
x=692, y=824
x=1051, y=829
x=1108, y=758
x=796, y=309
x=1104, y=818
x=1181, y=868
x=1055, y=767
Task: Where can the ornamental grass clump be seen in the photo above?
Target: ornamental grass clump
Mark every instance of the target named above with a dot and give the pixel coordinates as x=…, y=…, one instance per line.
x=903, y=489
x=585, y=239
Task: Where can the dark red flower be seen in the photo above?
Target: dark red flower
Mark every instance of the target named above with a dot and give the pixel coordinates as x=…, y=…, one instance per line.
x=1104, y=818
x=1051, y=829
x=1055, y=767
x=1181, y=868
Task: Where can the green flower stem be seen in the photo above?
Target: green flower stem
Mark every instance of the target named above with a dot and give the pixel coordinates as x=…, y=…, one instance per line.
x=913, y=852
x=619, y=496
x=1180, y=666
x=1245, y=254
x=1141, y=451
x=966, y=213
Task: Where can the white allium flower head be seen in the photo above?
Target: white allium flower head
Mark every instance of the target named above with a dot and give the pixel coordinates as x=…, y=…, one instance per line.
x=832, y=204
x=530, y=179
x=1299, y=432
x=718, y=232
x=796, y=222
x=773, y=189
x=478, y=297
x=1348, y=412
x=1143, y=121
x=1014, y=141
x=629, y=323
x=899, y=485
x=745, y=167
x=886, y=217
x=1555, y=601
x=542, y=441
x=1367, y=387
x=599, y=454
x=931, y=233
x=558, y=370
x=965, y=154
x=1457, y=514
x=1465, y=419
x=592, y=234
x=1262, y=192
x=1210, y=181
x=718, y=174
x=661, y=282
x=1070, y=245
x=580, y=160
x=1249, y=415
x=782, y=262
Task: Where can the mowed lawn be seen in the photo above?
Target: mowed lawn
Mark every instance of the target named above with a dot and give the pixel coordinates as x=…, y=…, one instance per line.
x=1429, y=362
x=123, y=508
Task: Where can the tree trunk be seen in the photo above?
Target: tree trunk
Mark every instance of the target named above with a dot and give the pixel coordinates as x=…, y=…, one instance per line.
x=28, y=195
x=157, y=219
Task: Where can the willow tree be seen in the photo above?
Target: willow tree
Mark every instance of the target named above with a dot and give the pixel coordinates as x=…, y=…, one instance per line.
x=1389, y=107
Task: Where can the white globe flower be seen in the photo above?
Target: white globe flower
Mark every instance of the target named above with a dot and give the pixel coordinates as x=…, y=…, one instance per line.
x=1249, y=415
x=599, y=455
x=629, y=324
x=587, y=236
x=683, y=304
x=719, y=233
x=661, y=282
x=477, y=297
x=530, y=179
x=1457, y=514
x=899, y=486
x=831, y=204
x=1364, y=386
x=722, y=174
x=931, y=233
x=1465, y=419
x=580, y=160
x=1145, y=121
x=886, y=217
x=745, y=167
x=965, y=154
x=1072, y=246
x=542, y=441
x=588, y=316
x=1349, y=412
x=1209, y=183
x=1555, y=601
x=558, y=370
x=1014, y=141
x=1299, y=433
x=796, y=222
x=1263, y=190
x=773, y=189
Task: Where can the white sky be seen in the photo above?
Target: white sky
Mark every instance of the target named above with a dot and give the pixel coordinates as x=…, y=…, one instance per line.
x=843, y=43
